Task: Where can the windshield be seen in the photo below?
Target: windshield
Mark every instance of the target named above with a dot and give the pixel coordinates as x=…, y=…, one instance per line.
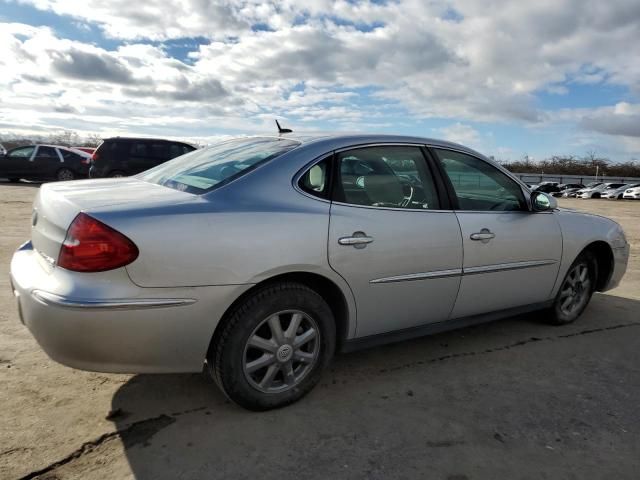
x=203, y=170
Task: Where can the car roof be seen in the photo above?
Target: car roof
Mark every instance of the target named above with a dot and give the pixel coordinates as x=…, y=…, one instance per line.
x=145, y=139
x=363, y=138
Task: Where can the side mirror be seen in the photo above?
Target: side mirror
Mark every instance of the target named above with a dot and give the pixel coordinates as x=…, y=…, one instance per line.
x=542, y=202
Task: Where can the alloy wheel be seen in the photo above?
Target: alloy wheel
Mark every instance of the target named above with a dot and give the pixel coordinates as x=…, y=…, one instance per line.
x=575, y=291
x=281, y=351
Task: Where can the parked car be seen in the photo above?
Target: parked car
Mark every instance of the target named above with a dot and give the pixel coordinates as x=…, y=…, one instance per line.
x=632, y=193
x=44, y=162
x=570, y=192
x=617, y=193
x=3, y=151
x=122, y=157
x=548, y=187
x=565, y=187
x=598, y=190
x=261, y=256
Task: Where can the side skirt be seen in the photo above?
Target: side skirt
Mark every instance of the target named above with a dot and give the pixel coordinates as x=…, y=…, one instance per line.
x=437, y=327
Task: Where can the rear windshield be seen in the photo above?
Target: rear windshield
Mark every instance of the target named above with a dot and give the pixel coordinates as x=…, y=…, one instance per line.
x=203, y=170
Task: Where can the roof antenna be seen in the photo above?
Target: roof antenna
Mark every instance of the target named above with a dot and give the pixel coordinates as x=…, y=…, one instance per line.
x=282, y=130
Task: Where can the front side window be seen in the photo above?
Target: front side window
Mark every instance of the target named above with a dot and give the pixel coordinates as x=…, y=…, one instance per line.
x=386, y=176
x=24, y=152
x=203, y=170
x=479, y=185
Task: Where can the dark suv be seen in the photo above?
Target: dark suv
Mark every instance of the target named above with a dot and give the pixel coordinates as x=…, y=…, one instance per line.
x=121, y=157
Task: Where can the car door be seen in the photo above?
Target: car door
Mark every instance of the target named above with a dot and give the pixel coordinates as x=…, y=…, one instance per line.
x=45, y=163
x=391, y=239
x=16, y=164
x=511, y=254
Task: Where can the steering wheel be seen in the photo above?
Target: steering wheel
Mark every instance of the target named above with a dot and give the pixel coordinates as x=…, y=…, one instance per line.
x=406, y=201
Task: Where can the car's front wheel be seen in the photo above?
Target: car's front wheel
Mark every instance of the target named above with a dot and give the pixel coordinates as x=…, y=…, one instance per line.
x=576, y=290
x=271, y=350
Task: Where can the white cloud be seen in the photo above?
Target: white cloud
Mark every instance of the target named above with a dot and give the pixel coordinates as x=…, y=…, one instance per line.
x=461, y=60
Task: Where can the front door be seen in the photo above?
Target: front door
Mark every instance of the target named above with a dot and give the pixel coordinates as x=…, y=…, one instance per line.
x=16, y=164
x=511, y=255
x=388, y=238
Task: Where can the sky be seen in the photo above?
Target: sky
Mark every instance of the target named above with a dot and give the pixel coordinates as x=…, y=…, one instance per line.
x=508, y=78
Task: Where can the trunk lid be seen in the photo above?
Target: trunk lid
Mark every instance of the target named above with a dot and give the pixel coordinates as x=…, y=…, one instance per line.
x=57, y=204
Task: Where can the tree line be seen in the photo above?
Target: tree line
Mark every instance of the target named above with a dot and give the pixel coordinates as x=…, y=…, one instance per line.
x=587, y=165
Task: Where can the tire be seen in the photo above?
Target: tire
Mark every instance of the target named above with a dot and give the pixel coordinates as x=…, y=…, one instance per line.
x=233, y=360
x=575, y=290
x=595, y=195
x=116, y=174
x=64, y=174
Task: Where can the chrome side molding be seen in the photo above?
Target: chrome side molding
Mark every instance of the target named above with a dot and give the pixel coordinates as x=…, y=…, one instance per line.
x=419, y=276
x=51, y=299
x=500, y=267
x=503, y=267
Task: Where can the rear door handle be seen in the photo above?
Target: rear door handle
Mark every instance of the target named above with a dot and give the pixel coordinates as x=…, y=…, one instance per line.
x=483, y=235
x=357, y=240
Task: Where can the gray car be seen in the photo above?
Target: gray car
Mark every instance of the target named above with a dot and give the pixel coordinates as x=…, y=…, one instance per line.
x=261, y=256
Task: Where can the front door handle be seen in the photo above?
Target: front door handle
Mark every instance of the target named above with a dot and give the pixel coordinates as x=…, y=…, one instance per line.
x=357, y=240
x=483, y=235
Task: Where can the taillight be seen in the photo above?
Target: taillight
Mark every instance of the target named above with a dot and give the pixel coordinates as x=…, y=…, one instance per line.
x=95, y=156
x=92, y=246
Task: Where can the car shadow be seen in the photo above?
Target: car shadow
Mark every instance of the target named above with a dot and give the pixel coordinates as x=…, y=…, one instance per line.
x=451, y=404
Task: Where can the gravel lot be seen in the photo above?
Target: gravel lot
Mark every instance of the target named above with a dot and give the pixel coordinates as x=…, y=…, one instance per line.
x=511, y=399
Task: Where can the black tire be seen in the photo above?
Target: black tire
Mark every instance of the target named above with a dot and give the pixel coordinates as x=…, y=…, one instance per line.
x=64, y=174
x=116, y=174
x=226, y=357
x=558, y=315
x=595, y=195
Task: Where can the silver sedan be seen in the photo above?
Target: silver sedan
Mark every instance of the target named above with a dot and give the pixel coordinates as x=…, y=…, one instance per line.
x=262, y=256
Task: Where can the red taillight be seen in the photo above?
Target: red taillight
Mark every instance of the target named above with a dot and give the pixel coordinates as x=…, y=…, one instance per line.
x=95, y=156
x=92, y=246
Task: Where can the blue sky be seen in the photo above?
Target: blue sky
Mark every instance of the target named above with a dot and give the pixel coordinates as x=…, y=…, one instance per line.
x=506, y=78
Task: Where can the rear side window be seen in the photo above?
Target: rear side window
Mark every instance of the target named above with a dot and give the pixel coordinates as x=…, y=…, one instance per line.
x=139, y=149
x=177, y=149
x=159, y=151
x=47, y=152
x=479, y=185
x=315, y=181
x=68, y=155
x=203, y=170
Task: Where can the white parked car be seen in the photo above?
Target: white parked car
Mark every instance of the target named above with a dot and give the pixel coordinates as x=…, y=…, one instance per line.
x=598, y=191
x=632, y=193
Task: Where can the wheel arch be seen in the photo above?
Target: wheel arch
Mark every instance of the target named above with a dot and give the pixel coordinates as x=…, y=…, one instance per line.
x=603, y=254
x=343, y=310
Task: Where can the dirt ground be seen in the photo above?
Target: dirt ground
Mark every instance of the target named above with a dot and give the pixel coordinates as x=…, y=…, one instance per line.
x=510, y=399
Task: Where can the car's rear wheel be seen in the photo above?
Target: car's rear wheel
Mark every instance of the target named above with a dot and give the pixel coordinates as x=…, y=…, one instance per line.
x=65, y=174
x=271, y=350
x=576, y=290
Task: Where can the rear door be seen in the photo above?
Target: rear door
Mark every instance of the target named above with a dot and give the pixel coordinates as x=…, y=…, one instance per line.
x=391, y=239
x=45, y=163
x=511, y=255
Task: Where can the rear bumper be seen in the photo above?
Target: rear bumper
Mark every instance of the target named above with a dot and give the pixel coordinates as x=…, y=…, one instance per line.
x=103, y=322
